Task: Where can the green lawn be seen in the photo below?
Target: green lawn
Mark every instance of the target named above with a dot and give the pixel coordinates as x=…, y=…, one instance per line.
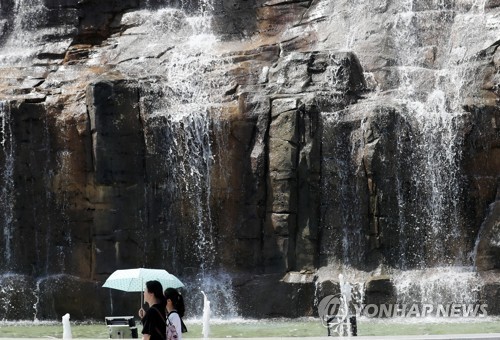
x=264, y=328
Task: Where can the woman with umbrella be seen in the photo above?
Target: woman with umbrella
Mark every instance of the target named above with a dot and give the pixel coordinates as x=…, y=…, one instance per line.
x=153, y=320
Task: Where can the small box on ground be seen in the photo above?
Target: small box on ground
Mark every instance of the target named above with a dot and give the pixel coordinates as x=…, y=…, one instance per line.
x=121, y=327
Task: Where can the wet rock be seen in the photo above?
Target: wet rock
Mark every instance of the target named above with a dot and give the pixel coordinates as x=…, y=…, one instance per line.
x=19, y=291
x=380, y=290
x=118, y=139
x=287, y=299
x=266, y=150
x=488, y=248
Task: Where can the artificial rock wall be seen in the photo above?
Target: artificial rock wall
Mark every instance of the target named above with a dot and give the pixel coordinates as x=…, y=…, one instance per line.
x=300, y=159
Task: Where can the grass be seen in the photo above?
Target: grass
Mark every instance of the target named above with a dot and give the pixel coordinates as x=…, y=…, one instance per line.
x=264, y=328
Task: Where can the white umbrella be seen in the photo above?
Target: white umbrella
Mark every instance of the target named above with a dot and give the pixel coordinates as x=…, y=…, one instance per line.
x=133, y=280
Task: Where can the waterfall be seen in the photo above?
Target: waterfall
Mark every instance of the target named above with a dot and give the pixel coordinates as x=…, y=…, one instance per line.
x=189, y=110
x=432, y=94
x=191, y=179
x=436, y=123
x=430, y=53
x=439, y=286
x=62, y=251
x=344, y=237
x=28, y=15
x=22, y=37
x=432, y=82
x=182, y=124
x=6, y=291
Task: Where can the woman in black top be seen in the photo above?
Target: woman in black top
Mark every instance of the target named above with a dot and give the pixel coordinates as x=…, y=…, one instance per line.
x=153, y=320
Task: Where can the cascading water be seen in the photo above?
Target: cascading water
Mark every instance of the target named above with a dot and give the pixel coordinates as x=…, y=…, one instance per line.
x=181, y=119
x=23, y=37
x=344, y=235
x=430, y=44
x=62, y=251
x=188, y=111
x=441, y=287
x=437, y=120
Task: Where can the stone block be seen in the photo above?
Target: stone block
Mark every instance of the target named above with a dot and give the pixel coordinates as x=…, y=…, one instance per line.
x=118, y=250
x=103, y=220
x=243, y=131
x=249, y=253
x=287, y=299
x=255, y=105
x=62, y=17
x=78, y=259
x=488, y=247
x=117, y=131
x=250, y=226
x=76, y=298
x=490, y=292
x=380, y=290
x=492, y=3
x=290, y=75
x=282, y=155
x=280, y=106
x=283, y=224
x=283, y=196
x=272, y=19
x=325, y=288
x=306, y=250
x=285, y=126
x=275, y=253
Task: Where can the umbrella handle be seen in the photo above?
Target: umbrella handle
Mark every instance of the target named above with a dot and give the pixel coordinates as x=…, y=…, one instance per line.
x=142, y=293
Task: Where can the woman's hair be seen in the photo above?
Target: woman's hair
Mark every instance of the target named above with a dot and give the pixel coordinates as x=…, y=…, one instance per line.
x=177, y=300
x=156, y=288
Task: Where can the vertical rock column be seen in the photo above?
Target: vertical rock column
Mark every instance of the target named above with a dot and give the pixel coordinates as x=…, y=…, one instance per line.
x=309, y=175
x=281, y=221
x=118, y=155
x=292, y=215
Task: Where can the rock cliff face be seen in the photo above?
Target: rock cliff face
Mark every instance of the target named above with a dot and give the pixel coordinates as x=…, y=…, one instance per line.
x=246, y=146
